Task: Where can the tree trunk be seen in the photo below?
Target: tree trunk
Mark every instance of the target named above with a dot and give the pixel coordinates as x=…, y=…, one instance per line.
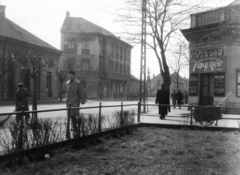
x=34, y=100
x=60, y=92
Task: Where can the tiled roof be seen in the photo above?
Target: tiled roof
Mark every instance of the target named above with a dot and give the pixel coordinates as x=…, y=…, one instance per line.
x=11, y=30
x=81, y=25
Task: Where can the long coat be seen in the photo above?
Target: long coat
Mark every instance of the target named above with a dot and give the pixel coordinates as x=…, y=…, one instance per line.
x=21, y=98
x=179, y=98
x=162, y=98
x=75, y=95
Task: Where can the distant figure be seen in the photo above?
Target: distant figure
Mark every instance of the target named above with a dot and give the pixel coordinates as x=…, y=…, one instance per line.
x=185, y=97
x=162, y=98
x=75, y=95
x=21, y=101
x=85, y=94
x=179, y=98
x=174, y=98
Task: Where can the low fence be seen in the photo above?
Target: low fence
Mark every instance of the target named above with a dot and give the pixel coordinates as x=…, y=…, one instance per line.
x=41, y=134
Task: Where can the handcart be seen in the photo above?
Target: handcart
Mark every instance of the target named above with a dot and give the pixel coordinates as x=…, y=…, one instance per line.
x=208, y=115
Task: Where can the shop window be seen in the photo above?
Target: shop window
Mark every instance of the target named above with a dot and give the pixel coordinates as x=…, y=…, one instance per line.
x=238, y=83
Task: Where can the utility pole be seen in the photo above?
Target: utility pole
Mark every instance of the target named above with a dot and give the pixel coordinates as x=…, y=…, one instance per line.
x=142, y=97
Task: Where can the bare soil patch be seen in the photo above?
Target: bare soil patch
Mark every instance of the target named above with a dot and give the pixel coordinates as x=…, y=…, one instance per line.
x=148, y=150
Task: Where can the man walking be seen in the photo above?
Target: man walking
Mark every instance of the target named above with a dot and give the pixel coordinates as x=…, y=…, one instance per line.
x=21, y=101
x=75, y=95
x=174, y=98
x=179, y=98
x=162, y=98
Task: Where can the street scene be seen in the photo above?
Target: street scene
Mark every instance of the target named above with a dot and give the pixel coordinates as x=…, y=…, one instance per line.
x=79, y=74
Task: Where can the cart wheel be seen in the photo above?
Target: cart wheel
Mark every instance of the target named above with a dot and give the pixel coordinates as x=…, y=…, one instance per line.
x=207, y=120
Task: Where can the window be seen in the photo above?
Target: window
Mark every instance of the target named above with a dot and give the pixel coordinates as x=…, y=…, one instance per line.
x=116, y=48
x=85, y=44
x=71, y=44
x=116, y=68
x=121, y=53
x=112, y=50
x=124, y=54
x=85, y=66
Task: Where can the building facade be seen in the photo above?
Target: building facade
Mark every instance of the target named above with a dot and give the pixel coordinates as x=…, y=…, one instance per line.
x=16, y=42
x=214, y=57
x=101, y=60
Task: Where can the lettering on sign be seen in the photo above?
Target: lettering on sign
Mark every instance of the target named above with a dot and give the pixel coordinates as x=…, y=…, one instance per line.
x=207, y=53
x=193, y=85
x=208, y=65
x=219, y=85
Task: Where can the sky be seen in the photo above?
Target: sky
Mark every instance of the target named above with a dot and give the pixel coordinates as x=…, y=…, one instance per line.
x=44, y=19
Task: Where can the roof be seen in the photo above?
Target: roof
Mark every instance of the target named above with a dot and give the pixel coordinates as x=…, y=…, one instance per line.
x=236, y=2
x=11, y=30
x=81, y=25
x=134, y=78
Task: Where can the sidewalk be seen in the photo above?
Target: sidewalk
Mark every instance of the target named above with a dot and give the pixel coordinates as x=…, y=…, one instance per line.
x=175, y=118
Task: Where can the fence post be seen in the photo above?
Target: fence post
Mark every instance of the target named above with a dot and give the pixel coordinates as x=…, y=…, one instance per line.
x=191, y=115
x=68, y=121
x=20, y=137
x=121, y=115
x=100, y=118
x=139, y=109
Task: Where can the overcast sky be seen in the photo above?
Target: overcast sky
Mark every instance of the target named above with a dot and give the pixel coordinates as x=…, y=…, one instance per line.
x=44, y=19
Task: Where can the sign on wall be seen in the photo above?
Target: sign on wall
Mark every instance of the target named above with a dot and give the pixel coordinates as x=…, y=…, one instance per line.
x=219, y=85
x=207, y=65
x=193, y=85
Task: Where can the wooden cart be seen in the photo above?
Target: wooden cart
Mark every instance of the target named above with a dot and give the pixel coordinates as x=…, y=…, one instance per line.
x=207, y=115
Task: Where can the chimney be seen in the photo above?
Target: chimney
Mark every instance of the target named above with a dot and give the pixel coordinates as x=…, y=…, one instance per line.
x=67, y=14
x=2, y=10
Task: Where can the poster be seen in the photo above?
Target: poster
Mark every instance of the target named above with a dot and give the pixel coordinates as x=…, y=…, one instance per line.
x=193, y=85
x=219, y=85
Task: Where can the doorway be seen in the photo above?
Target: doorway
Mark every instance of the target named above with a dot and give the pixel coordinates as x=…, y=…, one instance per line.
x=49, y=84
x=207, y=90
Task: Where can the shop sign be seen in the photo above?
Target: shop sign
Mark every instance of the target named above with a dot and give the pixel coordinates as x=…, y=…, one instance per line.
x=208, y=65
x=207, y=53
x=219, y=85
x=193, y=85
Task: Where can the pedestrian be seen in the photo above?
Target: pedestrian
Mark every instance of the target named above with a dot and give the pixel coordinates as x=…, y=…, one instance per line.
x=75, y=95
x=185, y=97
x=85, y=94
x=179, y=98
x=174, y=98
x=162, y=98
x=21, y=101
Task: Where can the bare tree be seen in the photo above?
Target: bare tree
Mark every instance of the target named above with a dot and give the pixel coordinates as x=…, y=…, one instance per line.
x=61, y=76
x=180, y=59
x=34, y=64
x=164, y=19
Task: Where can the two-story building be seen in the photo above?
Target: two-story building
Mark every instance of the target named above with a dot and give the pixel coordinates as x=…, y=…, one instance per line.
x=101, y=60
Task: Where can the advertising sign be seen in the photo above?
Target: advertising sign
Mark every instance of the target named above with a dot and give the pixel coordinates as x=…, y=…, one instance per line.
x=207, y=65
x=219, y=85
x=193, y=85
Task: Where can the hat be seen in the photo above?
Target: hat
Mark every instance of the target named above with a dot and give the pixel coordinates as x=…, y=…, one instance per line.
x=71, y=72
x=20, y=84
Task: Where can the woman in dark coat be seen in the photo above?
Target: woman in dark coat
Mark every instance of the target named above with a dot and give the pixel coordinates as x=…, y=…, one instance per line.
x=162, y=98
x=179, y=98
